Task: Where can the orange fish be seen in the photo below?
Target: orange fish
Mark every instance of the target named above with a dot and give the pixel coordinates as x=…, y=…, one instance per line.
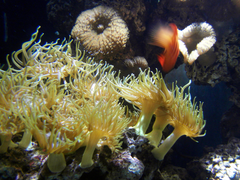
x=166, y=37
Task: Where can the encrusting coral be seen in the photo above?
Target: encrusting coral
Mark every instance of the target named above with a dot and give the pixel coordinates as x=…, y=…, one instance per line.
x=101, y=30
x=67, y=101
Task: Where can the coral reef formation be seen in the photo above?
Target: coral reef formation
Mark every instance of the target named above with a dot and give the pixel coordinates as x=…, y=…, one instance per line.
x=58, y=97
x=101, y=30
x=222, y=163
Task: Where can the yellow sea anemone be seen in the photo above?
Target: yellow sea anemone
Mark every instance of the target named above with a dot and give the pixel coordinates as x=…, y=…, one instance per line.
x=163, y=117
x=106, y=122
x=53, y=122
x=196, y=38
x=186, y=118
x=101, y=30
x=148, y=92
x=50, y=60
x=92, y=82
x=9, y=126
x=42, y=98
x=12, y=87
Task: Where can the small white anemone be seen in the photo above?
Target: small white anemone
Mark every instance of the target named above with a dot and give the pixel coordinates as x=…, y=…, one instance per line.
x=196, y=38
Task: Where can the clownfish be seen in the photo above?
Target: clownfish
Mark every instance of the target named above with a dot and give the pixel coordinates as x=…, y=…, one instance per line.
x=166, y=36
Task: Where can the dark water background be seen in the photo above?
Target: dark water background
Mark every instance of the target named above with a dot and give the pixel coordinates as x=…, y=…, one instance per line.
x=21, y=20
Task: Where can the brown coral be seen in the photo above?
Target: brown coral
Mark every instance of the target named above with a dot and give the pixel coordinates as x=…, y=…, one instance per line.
x=101, y=30
x=134, y=65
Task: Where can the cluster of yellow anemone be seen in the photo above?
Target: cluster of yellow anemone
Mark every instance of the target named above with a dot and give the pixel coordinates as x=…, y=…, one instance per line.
x=51, y=95
x=186, y=118
x=13, y=86
x=149, y=93
x=66, y=101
